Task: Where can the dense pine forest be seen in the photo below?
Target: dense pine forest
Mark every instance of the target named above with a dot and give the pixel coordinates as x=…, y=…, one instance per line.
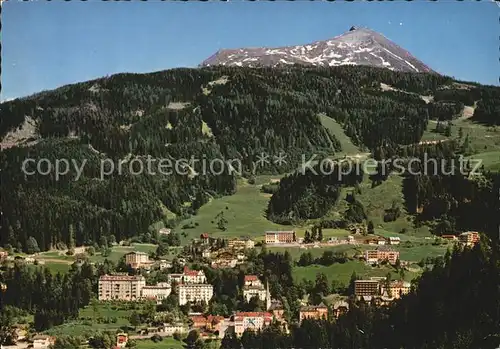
x=209, y=113
x=313, y=193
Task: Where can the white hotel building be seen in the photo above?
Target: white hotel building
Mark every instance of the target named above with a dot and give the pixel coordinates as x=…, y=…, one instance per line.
x=195, y=293
x=158, y=292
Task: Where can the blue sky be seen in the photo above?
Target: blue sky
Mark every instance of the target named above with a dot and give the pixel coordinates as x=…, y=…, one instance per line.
x=49, y=44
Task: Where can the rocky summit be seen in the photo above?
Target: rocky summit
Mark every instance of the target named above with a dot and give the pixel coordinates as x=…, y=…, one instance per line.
x=358, y=46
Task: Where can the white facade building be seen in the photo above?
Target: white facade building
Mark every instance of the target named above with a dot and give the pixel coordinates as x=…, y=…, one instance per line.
x=195, y=293
x=170, y=329
x=253, y=321
x=159, y=292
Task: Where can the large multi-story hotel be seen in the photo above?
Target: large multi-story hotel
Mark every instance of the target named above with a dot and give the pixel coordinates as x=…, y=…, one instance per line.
x=366, y=287
x=137, y=259
x=380, y=255
x=253, y=287
x=280, y=237
x=158, y=292
x=195, y=293
x=253, y=321
x=121, y=287
x=188, y=277
x=469, y=238
x=254, y=291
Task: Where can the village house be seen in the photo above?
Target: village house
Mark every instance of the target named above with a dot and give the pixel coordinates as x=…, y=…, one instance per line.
x=333, y=240
x=240, y=257
x=242, y=244
x=381, y=254
x=252, y=280
x=42, y=341
x=469, y=238
x=193, y=276
x=210, y=323
x=121, y=287
x=313, y=312
x=164, y=231
x=199, y=322
x=3, y=255
x=252, y=321
x=164, y=264
x=397, y=288
x=174, y=278
x=182, y=261
x=383, y=299
x=394, y=240
x=254, y=291
x=340, y=308
x=221, y=263
x=205, y=238
x=137, y=260
x=276, y=308
x=121, y=340
x=29, y=260
x=20, y=332
x=195, y=293
x=170, y=329
x=158, y=292
x=217, y=324
x=253, y=287
x=449, y=237
x=206, y=253
x=280, y=237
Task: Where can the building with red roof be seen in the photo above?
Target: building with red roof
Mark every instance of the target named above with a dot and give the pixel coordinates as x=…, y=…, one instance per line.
x=193, y=276
x=252, y=280
x=205, y=238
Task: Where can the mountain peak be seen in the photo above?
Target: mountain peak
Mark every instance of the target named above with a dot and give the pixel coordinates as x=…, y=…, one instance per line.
x=358, y=46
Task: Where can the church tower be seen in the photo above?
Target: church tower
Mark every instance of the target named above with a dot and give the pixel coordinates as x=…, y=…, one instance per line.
x=268, y=296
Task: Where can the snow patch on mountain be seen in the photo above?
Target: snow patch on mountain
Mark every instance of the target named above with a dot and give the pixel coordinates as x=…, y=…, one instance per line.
x=358, y=46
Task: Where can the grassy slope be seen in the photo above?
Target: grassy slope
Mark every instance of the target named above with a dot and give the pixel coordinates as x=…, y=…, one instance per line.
x=56, y=261
x=490, y=160
x=87, y=326
x=244, y=213
x=482, y=138
x=343, y=272
x=348, y=148
x=118, y=251
x=380, y=198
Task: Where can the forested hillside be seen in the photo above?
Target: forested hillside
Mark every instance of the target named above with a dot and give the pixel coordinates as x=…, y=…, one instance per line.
x=209, y=113
x=313, y=193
